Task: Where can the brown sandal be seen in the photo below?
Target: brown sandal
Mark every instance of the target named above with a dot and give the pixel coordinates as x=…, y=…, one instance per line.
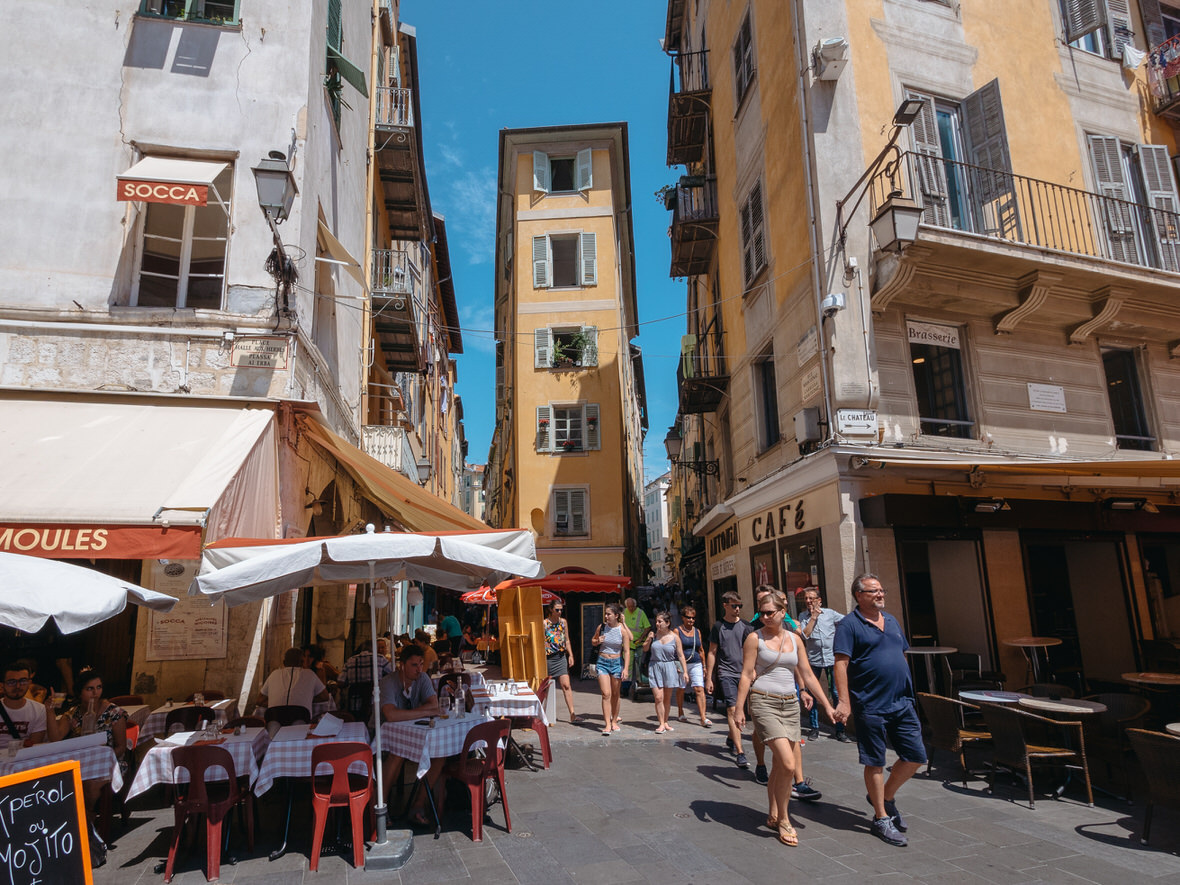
x=787, y=834
x=771, y=822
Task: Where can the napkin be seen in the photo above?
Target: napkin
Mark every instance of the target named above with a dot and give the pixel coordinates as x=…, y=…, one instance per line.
x=181, y=738
x=69, y=745
x=329, y=726
x=290, y=733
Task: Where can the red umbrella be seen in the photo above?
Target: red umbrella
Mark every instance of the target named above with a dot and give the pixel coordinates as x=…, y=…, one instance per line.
x=487, y=596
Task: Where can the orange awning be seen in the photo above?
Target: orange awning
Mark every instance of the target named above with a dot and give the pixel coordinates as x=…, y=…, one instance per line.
x=573, y=582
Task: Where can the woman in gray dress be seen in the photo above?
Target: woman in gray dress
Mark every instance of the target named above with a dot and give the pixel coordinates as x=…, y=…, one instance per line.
x=667, y=668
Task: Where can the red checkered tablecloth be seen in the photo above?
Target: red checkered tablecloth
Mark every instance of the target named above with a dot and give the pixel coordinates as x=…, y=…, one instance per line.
x=421, y=743
x=97, y=763
x=154, y=725
x=157, y=768
x=293, y=758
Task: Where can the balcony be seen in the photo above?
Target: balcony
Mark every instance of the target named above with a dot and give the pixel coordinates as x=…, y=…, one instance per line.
x=397, y=314
x=694, y=226
x=702, y=377
x=391, y=446
x=688, y=107
x=403, y=178
x=388, y=20
x=1163, y=77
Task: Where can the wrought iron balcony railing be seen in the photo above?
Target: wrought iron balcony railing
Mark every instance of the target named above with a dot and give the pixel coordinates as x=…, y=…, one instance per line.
x=702, y=376
x=1163, y=77
x=1031, y=212
x=391, y=272
x=694, y=225
x=688, y=107
x=394, y=107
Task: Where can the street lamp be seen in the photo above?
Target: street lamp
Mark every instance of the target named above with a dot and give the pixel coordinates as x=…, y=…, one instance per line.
x=276, y=186
x=674, y=443
x=423, y=465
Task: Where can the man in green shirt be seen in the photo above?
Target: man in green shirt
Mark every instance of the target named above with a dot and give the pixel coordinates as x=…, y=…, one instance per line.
x=636, y=620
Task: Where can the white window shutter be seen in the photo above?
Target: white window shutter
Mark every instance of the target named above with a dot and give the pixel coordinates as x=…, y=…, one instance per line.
x=1162, y=198
x=593, y=437
x=929, y=168
x=542, y=348
x=561, y=511
x=578, y=524
x=1106, y=153
x=590, y=351
x=540, y=172
x=1082, y=17
x=589, y=259
x=1118, y=26
x=544, y=429
x=584, y=169
x=541, y=270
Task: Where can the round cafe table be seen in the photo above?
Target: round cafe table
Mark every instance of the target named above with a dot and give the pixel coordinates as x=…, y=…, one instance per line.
x=1063, y=706
x=1154, y=680
x=991, y=696
x=1173, y=727
x=1029, y=645
x=928, y=652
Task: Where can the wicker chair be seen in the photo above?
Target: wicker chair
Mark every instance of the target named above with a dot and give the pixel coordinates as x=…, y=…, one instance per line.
x=1107, y=736
x=1048, y=690
x=1159, y=754
x=1022, y=738
x=945, y=718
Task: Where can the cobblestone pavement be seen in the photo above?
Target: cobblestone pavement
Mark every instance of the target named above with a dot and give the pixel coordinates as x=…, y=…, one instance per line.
x=641, y=807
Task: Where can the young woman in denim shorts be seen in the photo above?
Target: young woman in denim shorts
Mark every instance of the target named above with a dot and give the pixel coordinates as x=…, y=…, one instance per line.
x=610, y=638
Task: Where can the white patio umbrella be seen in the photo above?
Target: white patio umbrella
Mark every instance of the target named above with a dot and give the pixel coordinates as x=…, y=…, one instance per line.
x=443, y=560
x=33, y=590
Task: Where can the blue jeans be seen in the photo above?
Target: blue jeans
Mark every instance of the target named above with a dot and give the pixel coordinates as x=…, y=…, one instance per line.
x=812, y=715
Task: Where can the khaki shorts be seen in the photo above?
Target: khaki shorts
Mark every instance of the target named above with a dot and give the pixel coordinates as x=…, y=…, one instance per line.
x=774, y=716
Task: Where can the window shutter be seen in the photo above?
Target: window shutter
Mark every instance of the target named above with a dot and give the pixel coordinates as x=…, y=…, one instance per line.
x=542, y=348
x=987, y=141
x=589, y=259
x=931, y=172
x=1082, y=17
x=499, y=384
x=590, y=349
x=593, y=437
x=1161, y=197
x=540, y=172
x=544, y=431
x=1106, y=152
x=561, y=511
x=584, y=169
x=541, y=262
x=753, y=237
x=1118, y=25
x=335, y=27
x=577, y=511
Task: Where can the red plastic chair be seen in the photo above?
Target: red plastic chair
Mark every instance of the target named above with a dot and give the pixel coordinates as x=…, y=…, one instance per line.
x=475, y=771
x=339, y=790
x=214, y=799
x=536, y=723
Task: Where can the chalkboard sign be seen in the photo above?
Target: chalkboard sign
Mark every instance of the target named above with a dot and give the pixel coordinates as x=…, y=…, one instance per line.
x=591, y=619
x=42, y=837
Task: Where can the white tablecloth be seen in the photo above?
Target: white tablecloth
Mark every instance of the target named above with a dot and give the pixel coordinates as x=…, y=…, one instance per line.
x=157, y=767
x=526, y=703
x=98, y=764
x=154, y=725
x=293, y=758
x=422, y=744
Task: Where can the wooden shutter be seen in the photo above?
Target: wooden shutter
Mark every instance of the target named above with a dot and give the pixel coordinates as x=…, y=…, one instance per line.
x=1082, y=17
x=1153, y=22
x=335, y=27
x=584, y=170
x=578, y=512
x=540, y=172
x=593, y=437
x=542, y=348
x=545, y=431
x=1114, y=211
x=541, y=269
x=589, y=259
x=561, y=511
x=928, y=165
x=499, y=384
x=1118, y=26
x=992, y=187
x=753, y=235
x=1161, y=197
x=590, y=349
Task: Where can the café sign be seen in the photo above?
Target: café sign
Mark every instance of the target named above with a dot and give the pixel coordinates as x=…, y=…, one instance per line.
x=163, y=192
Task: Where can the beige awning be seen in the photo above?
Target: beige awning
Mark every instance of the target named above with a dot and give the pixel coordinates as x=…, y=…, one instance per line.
x=340, y=255
x=168, y=180
x=1160, y=470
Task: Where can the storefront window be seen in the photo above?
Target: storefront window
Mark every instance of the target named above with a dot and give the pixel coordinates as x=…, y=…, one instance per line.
x=1161, y=569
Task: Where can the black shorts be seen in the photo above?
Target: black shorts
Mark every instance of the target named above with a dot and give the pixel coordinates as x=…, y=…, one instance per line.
x=727, y=689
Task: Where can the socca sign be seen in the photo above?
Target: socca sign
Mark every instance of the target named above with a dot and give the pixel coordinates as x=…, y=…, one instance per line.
x=163, y=192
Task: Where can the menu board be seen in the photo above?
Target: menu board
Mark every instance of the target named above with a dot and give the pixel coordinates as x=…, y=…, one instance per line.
x=194, y=629
x=42, y=838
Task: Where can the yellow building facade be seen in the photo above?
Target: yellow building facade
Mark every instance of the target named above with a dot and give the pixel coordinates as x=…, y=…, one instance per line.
x=980, y=408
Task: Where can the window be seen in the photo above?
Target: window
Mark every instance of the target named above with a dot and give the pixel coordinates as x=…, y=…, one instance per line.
x=766, y=401
x=939, y=380
x=182, y=251
x=743, y=60
x=218, y=12
x=1147, y=232
x=571, y=427
x=565, y=347
x=753, y=234
x=1131, y=430
x=563, y=174
x=563, y=261
x=1099, y=26
x=571, y=511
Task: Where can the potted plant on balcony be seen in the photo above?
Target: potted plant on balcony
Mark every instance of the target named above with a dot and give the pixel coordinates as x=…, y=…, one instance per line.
x=570, y=445
x=666, y=196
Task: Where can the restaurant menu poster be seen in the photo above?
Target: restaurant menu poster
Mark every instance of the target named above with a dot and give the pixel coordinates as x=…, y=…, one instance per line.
x=194, y=629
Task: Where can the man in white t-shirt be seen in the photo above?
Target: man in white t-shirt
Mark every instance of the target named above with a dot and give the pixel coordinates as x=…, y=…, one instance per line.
x=22, y=719
x=292, y=684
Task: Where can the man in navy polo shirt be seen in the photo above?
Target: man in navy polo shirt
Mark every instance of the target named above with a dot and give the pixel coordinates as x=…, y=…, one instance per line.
x=873, y=680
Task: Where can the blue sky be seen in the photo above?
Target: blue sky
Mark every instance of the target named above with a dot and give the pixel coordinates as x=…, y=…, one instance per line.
x=512, y=64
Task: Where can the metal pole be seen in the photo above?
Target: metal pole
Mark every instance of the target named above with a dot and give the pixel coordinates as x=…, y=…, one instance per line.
x=379, y=810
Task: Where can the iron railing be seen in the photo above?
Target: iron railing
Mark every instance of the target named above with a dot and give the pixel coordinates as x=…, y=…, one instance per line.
x=696, y=200
x=1031, y=212
x=690, y=73
x=1163, y=73
x=394, y=106
x=391, y=272
x=389, y=445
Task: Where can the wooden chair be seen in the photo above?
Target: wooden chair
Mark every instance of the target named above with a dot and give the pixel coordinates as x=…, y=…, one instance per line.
x=212, y=798
x=1159, y=754
x=475, y=769
x=340, y=789
x=188, y=718
x=536, y=723
x=945, y=718
x=127, y=700
x=1022, y=738
x=288, y=714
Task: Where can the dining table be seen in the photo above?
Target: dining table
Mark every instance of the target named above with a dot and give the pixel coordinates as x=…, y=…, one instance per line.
x=1173, y=728
x=992, y=696
x=928, y=653
x=137, y=714
x=156, y=767
x=154, y=725
x=1030, y=646
x=1062, y=707
x=96, y=760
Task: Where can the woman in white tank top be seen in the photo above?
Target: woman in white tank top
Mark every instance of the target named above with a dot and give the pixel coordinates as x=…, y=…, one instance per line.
x=774, y=663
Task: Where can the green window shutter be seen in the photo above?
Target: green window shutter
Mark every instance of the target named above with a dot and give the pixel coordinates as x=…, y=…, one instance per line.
x=585, y=170
x=544, y=430
x=349, y=71
x=589, y=259
x=541, y=262
x=590, y=349
x=542, y=347
x=593, y=437
x=335, y=25
x=540, y=172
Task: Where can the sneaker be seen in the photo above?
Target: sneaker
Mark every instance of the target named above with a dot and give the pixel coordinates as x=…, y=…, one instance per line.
x=894, y=814
x=842, y=737
x=742, y=761
x=805, y=792
x=813, y=735
x=884, y=830
x=760, y=774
